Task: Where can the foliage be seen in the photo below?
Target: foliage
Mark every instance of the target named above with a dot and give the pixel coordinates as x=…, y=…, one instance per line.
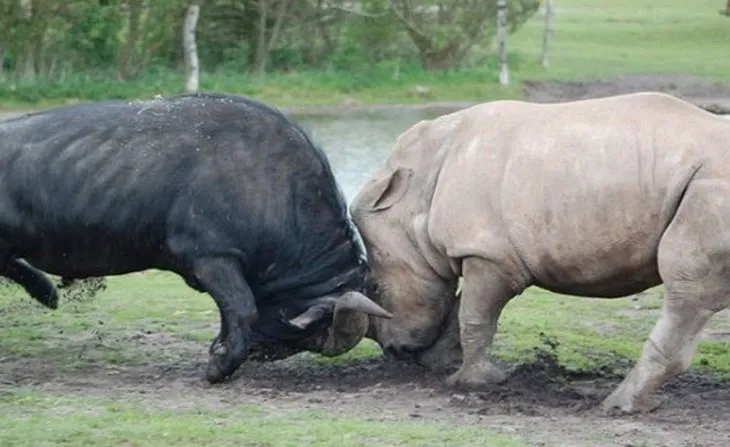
x=369, y=58
x=445, y=30
x=49, y=39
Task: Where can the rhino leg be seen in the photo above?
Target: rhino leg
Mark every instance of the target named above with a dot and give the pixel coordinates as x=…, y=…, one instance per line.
x=667, y=352
x=694, y=262
x=222, y=279
x=484, y=294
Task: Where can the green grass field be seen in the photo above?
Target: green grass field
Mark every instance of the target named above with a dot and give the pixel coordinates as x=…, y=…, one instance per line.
x=100, y=332
x=35, y=419
x=593, y=39
x=86, y=334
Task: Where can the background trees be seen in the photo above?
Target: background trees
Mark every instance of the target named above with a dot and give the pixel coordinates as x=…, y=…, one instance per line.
x=125, y=38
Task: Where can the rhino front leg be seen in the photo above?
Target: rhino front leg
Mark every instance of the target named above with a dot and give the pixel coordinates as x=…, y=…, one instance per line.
x=485, y=292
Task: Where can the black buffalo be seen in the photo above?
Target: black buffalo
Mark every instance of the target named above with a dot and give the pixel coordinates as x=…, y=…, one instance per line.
x=222, y=190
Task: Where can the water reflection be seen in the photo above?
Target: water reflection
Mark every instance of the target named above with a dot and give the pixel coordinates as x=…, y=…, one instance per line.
x=358, y=143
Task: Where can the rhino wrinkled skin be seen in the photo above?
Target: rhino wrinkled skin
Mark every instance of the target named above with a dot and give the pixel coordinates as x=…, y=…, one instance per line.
x=599, y=198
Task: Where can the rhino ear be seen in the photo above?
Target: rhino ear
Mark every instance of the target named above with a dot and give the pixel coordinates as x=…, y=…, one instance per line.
x=350, y=322
x=388, y=190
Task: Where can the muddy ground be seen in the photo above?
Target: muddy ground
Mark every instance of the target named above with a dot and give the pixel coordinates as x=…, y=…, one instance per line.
x=541, y=401
x=711, y=95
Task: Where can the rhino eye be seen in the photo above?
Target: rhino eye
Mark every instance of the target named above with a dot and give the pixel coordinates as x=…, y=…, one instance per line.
x=372, y=289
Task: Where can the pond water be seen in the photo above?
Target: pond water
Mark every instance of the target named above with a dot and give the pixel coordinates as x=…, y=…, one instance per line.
x=357, y=143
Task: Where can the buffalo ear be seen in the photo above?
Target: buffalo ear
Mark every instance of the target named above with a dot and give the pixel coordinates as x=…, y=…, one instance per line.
x=350, y=322
x=387, y=191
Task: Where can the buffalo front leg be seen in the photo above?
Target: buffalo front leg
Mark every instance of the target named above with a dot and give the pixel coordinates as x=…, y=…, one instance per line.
x=485, y=292
x=222, y=279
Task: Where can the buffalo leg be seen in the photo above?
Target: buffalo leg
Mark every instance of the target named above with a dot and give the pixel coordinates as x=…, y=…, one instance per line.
x=484, y=294
x=222, y=279
x=34, y=281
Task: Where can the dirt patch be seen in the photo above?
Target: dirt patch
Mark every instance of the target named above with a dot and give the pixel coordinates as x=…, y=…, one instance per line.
x=80, y=290
x=710, y=95
x=542, y=401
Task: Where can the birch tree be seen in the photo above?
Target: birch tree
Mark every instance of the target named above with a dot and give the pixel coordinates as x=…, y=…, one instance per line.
x=190, y=48
x=547, y=33
x=502, y=41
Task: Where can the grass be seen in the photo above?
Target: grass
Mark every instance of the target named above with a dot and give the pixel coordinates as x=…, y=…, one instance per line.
x=593, y=39
x=101, y=331
x=592, y=333
x=597, y=334
x=35, y=419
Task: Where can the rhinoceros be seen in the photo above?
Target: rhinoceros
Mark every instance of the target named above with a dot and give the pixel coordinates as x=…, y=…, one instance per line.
x=222, y=190
x=598, y=198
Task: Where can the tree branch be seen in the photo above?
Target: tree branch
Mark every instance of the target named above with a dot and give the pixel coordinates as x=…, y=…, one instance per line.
x=421, y=39
x=358, y=13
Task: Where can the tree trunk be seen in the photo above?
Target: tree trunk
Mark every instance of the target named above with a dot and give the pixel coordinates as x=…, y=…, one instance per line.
x=727, y=8
x=441, y=59
x=191, y=49
x=502, y=37
x=125, y=69
x=26, y=68
x=274, y=35
x=264, y=43
x=548, y=32
x=259, y=65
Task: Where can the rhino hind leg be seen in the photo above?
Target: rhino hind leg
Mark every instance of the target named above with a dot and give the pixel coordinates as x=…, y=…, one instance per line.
x=694, y=262
x=484, y=295
x=222, y=279
x=34, y=281
x=667, y=353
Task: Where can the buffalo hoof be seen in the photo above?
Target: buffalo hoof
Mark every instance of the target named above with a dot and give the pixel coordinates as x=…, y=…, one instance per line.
x=45, y=294
x=216, y=372
x=50, y=300
x=476, y=377
x=618, y=404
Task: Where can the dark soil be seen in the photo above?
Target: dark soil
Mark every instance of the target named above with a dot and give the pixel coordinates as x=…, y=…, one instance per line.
x=542, y=401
